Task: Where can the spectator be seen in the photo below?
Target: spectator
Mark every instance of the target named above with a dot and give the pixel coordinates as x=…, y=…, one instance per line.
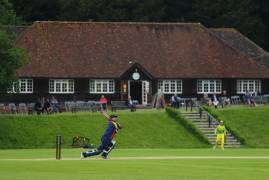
x=38, y=106
x=55, y=104
x=174, y=101
x=215, y=101
x=160, y=99
x=131, y=104
x=47, y=106
x=249, y=99
x=226, y=100
x=103, y=100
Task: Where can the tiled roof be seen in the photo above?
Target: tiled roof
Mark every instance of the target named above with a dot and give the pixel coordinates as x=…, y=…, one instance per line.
x=240, y=42
x=107, y=50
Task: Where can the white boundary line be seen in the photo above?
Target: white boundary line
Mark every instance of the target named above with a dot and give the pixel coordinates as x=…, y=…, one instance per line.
x=148, y=158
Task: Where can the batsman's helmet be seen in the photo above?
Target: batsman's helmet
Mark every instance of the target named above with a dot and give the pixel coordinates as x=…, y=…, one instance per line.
x=113, y=117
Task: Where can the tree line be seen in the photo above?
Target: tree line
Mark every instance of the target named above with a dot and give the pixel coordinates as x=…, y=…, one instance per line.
x=251, y=17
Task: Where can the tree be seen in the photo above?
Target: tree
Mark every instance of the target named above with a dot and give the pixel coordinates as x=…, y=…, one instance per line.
x=116, y=10
x=178, y=11
x=37, y=10
x=264, y=14
x=11, y=57
x=242, y=15
x=7, y=14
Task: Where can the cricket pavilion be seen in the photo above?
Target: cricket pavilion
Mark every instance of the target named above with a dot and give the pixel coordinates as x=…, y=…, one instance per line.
x=88, y=59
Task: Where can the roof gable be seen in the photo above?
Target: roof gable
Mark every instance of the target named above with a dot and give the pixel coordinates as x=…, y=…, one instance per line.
x=136, y=68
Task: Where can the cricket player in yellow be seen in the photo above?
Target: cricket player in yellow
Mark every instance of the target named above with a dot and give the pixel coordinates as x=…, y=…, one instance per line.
x=220, y=132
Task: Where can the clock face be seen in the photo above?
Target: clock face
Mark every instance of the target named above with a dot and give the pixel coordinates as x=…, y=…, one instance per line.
x=136, y=76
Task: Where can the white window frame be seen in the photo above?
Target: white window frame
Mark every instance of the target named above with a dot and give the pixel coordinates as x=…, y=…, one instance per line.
x=202, y=84
x=69, y=85
x=17, y=86
x=167, y=86
x=108, y=83
x=255, y=83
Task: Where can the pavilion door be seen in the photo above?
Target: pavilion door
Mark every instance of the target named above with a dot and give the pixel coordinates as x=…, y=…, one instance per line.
x=145, y=91
x=136, y=90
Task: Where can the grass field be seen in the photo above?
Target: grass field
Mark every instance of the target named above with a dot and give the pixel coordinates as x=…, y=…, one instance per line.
x=142, y=129
x=191, y=164
x=250, y=123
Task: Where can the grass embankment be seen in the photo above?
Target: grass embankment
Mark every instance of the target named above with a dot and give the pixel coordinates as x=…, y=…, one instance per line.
x=249, y=123
x=145, y=129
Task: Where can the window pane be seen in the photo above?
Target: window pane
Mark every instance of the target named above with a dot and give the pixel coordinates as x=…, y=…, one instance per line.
x=51, y=86
x=29, y=85
x=173, y=87
x=212, y=86
x=64, y=87
x=105, y=89
x=111, y=86
x=258, y=86
x=70, y=85
x=58, y=86
x=166, y=86
x=92, y=87
x=206, y=89
x=245, y=87
x=98, y=87
x=199, y=86
x=22, y=85
x=251, y=87
x=218, y=86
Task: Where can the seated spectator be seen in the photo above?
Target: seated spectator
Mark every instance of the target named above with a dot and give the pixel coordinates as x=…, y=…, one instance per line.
x=249, y=99
x=38, y=106
x=206, y=100
x=174, y=101
x=215, y=101
x=55, y=104
x=131, y=104
x=103, y=100
x=47, y=106
x=227, y=101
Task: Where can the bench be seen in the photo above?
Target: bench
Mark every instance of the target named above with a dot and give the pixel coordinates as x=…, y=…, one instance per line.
x=235, y=100
x=118, y=105
x=260, y=99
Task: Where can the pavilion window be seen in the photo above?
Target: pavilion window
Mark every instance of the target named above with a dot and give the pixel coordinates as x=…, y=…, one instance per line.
x=171, y=86
x=61, y=86
x=104, y=86
x=244, y=85
x=209, y=86
x=23, y=86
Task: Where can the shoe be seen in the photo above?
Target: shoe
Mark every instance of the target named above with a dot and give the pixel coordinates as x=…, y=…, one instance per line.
x=104, y=156
x=83, y=155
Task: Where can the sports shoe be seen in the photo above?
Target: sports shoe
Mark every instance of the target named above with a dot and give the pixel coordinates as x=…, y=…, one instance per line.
x=104, y=156
x=83, y=155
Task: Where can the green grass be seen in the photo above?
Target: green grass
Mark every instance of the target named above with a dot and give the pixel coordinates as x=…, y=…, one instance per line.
x=142, y=129
x=190, y=169
x=250, y=123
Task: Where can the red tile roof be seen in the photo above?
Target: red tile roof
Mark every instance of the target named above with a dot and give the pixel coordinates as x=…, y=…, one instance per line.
x=107, y=50
x=240, y=42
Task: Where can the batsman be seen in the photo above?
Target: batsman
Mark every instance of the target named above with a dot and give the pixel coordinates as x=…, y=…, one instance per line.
x=220, y=132
x=107, y=142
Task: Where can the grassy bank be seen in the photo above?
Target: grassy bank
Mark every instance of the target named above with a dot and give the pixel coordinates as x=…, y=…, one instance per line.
x=250, y=123
x=145, y=129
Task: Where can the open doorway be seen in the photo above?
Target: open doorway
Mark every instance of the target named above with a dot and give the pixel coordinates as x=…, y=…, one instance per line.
x=136, y=90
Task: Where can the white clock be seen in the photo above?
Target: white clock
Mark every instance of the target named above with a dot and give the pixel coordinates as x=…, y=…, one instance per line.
x=136, y=76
